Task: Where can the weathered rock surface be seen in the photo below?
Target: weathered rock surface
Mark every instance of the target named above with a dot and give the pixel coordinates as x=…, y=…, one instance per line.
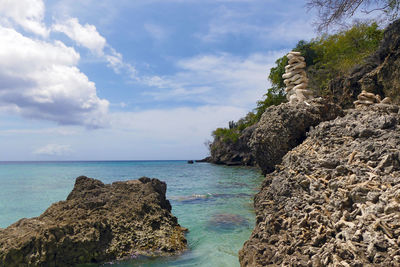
x=96, y=223
x=283, y=127
x=233, y=153
x=335, y=199
x=380, y=74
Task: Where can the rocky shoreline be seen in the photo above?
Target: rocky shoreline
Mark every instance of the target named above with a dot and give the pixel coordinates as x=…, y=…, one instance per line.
x=331, y=195
x=334, y=200
x=96, y=223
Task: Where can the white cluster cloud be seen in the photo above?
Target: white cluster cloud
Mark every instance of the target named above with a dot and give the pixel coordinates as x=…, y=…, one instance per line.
x=40, y=80
x=28, y=14
x=53, y=150
x=84, y=35
x=88, y=37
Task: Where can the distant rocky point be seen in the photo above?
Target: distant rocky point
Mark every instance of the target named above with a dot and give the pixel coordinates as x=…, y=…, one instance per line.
x=97, y=223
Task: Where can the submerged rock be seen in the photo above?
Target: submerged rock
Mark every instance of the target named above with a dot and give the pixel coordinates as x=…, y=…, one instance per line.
x=96, y=223
x=334, y=200
x=283, y=127
x=227, y=221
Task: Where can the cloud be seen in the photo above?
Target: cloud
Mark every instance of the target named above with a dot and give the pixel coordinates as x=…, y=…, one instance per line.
x=84, y=35
x=184, y=124
x=284, y=23
x=214, y=79
x=88, y=37
x=53, y=150
x=41, y=80
x=156, y=31
x=28, y=14
x=60, y=131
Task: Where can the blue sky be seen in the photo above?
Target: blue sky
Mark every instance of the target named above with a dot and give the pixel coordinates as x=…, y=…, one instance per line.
x=134, y=80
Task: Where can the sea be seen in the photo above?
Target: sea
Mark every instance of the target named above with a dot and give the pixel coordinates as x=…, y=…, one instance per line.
x=214, y=202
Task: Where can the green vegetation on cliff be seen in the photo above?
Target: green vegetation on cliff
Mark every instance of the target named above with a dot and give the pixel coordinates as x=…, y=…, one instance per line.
x=326, y=56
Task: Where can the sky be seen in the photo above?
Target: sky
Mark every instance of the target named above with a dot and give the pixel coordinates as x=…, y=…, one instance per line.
x=135, y=80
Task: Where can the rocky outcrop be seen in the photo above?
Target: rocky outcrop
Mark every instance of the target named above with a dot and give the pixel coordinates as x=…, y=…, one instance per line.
x=96, y=223
x=283, y=127
x=379, y=74
x=233, y=153
x=335, y=199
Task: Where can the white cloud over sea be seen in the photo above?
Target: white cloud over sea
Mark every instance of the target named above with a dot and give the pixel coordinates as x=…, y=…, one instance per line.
x=53, y=150
x=120, y=80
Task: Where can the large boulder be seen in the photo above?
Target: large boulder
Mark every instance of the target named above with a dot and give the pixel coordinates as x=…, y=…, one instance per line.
x=228, y=152
x=283, y=127
x=379, y=74
x=335, y=199
x=96, y=223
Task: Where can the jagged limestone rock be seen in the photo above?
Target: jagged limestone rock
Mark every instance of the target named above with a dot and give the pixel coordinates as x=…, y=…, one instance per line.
x=335, y=199
x=98, y=222
x=283, y=127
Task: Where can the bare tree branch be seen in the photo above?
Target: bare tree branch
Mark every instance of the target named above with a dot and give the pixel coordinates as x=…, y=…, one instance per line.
x=334, y=12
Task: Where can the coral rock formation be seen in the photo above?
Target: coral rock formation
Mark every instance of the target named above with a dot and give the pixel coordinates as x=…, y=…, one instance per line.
x=335, y=199
x=96, y=223
x=283, y=127
x=296, y=78
x=233, y=153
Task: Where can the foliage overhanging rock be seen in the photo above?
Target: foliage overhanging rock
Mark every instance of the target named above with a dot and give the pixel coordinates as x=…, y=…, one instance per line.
x=379, y=74
x=233, y=152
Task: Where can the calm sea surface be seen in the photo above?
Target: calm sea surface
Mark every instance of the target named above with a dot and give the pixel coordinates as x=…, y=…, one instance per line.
x=214, y=202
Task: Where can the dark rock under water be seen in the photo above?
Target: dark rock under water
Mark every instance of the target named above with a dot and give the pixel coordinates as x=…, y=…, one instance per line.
x=226, y=222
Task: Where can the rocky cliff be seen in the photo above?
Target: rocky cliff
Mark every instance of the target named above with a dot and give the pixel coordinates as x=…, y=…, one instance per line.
x=379, y=74
x=96, y=223
x=283, y=127
x=335, y=198
x=233, y=153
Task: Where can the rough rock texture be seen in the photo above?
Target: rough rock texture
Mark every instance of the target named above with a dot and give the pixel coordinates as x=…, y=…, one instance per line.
x=229, y=153
x=283, y=127
x=334, y=200
x=96, y=223
x=380, y=74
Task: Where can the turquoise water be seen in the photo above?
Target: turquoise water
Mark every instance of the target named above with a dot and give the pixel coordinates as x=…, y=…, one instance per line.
x=213, y=202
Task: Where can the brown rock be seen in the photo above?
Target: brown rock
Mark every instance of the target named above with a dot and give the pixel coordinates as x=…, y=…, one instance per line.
x=96, y=223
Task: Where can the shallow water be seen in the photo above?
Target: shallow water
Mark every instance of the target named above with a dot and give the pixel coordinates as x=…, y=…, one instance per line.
x=213, y=202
